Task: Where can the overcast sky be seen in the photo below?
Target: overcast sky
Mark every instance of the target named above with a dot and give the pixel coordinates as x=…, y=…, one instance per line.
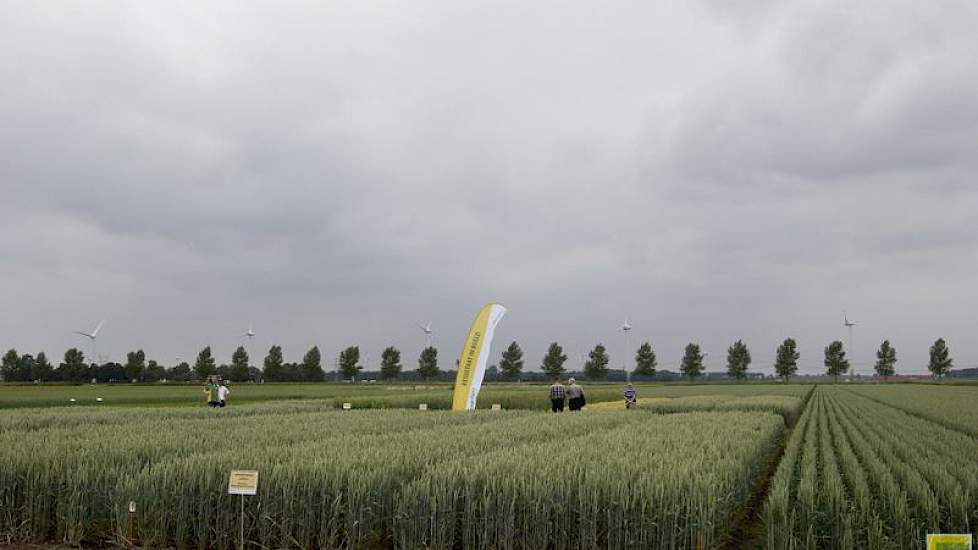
x=341, y=172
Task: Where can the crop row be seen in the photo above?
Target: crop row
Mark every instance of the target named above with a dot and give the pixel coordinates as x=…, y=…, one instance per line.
x=858, y=474
x=366, y=479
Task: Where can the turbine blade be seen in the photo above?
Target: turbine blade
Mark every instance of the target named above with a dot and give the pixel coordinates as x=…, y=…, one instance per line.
x=98, y=328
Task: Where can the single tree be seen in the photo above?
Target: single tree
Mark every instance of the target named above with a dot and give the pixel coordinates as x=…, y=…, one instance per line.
x=179, y=373
x=553, y=361
x=428, y=363
x=272, y=369
x=692, y=365
x=223, y=371
x=645, y=361
x=135, y=365
x=74, y=368
x=390, y=363
x=205, y=365
x=349, y=363
x=511, y=364
x=596, y=367
x=940, y=359
x=786, y=363
x=9, y=366
x=836, y=363
x=885, y=360
x=25, y=366
x=42, y=368
x=738, y=360
x=154, y=371
x=238, y=371
x=312, y=366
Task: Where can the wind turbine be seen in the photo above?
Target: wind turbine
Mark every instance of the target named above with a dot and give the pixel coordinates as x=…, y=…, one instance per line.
x=849, y=324
x=250, y=335
x=427, y=334
x=626, y=327
x=92, y=336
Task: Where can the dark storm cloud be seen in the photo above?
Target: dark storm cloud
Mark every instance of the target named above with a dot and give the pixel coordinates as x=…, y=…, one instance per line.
x=341, y=173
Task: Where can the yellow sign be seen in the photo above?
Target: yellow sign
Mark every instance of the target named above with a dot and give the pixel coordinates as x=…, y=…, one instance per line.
x=475, y=354
x=243, y=482
x=948, y=542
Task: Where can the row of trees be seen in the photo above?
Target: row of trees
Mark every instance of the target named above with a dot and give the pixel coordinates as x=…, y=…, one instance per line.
x=26, y=367
x=738, y=360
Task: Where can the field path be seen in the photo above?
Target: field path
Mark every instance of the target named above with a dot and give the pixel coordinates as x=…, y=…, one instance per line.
x=747, y=532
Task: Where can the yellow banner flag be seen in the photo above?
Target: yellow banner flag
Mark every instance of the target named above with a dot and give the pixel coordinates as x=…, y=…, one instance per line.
x=475, y=355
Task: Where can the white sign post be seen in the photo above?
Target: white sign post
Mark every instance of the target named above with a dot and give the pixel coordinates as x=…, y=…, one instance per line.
x=423, y=407
x=132, y=514
x=243, y=482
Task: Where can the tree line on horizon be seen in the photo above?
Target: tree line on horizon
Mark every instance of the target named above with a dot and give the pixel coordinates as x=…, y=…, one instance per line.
x=27, y=368
x=74, y=368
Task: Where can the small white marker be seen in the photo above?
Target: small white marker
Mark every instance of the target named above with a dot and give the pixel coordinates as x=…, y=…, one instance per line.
x=423, y=407
x=99, y=399
x=347, y=406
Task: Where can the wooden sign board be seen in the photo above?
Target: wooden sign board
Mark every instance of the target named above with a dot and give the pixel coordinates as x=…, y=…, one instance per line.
x=243, y=482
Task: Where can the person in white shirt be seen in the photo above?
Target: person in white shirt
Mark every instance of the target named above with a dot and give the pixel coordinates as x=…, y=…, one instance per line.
x=223, y=391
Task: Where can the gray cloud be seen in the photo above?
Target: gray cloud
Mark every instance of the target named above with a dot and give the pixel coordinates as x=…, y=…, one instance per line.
x=342, y=172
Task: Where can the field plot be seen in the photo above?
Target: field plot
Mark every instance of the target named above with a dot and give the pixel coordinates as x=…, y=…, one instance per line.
x=785, y=405
x=380, y=479
x=860, y=474
x=952, y=406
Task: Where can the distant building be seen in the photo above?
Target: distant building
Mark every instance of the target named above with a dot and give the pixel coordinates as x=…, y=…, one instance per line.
x=963, y=373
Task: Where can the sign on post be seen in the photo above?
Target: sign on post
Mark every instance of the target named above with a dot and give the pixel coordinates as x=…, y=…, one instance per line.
x=423, y=407
x=497, y=407
x=243, y=482
x=347, y=406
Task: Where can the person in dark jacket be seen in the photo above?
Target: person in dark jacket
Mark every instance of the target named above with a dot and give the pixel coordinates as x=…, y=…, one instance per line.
x=557, y=396
x=575, y=396
x=631, y=397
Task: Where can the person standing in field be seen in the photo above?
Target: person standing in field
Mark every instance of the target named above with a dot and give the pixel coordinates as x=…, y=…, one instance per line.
x=212, y=393
x=631, y=397
x=223, y=391
x=575, y=396
x=557, y=396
